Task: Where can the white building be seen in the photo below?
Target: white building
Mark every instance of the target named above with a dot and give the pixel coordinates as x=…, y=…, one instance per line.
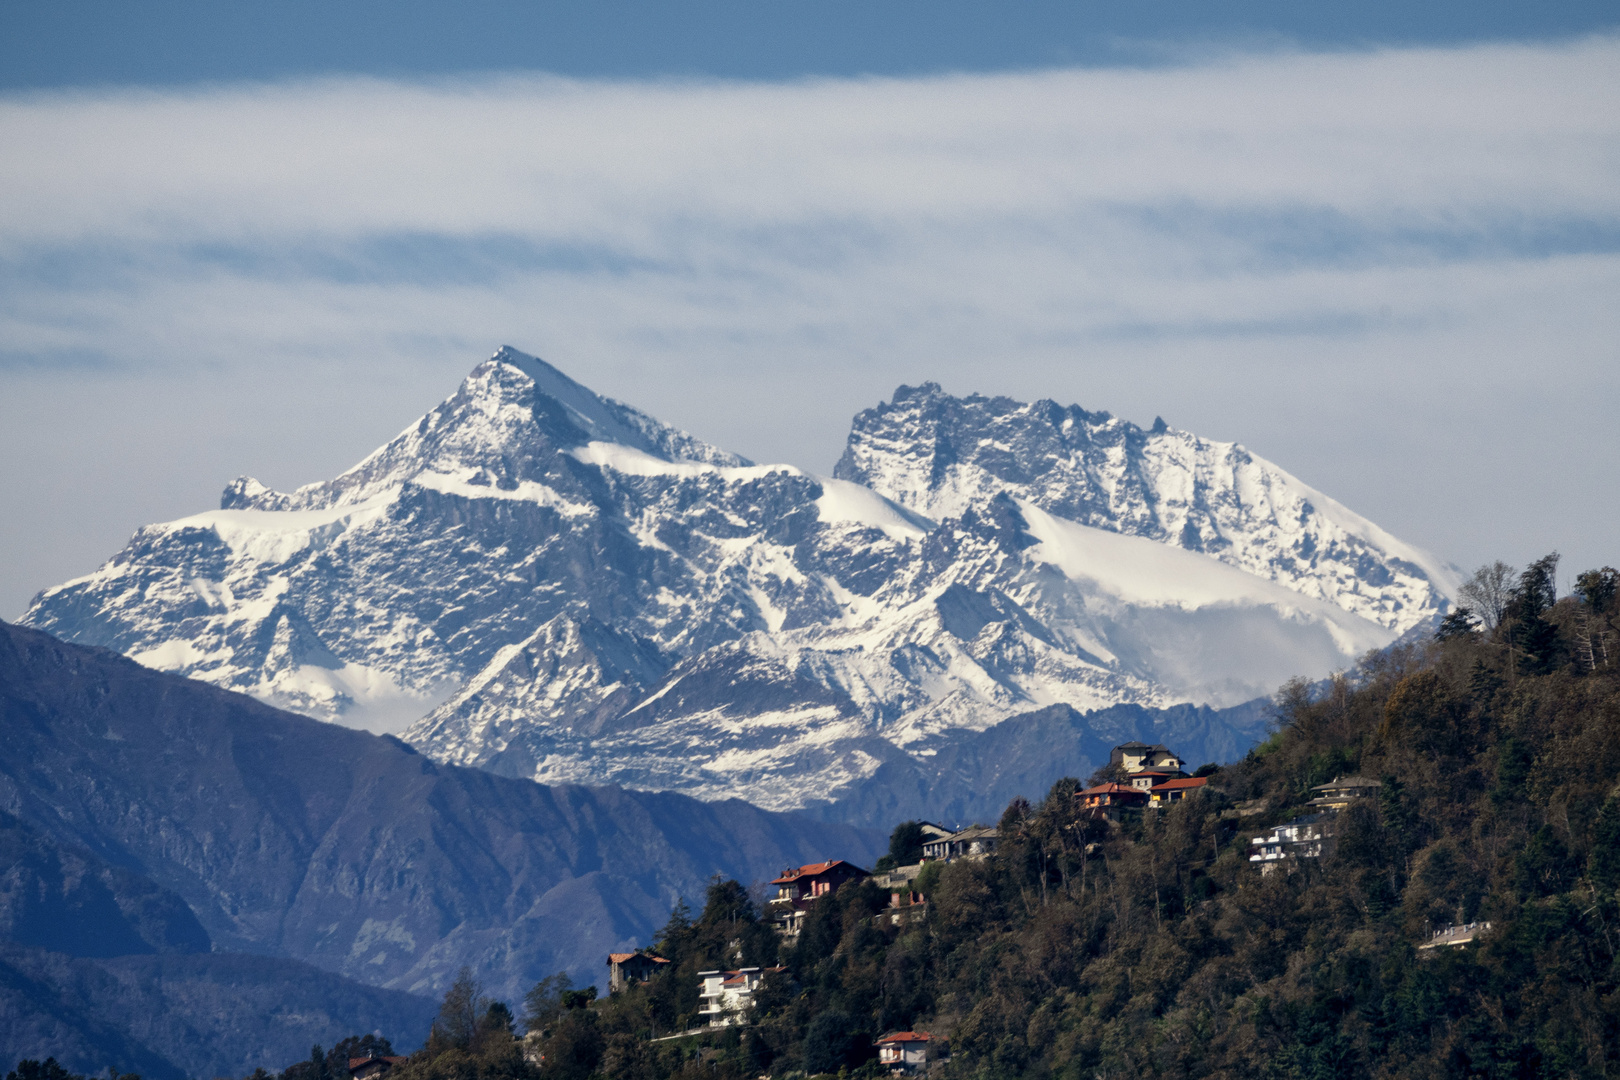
x=973, y=843
x=1455, y=935
x=1303, y=838
x=904, y=1051
x=726, y=997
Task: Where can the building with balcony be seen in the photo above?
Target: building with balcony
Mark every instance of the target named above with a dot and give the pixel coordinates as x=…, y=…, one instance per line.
x=727, y=997
x=1112, y=801
x=1344, y=790
x=1303, y=838
x=971, y=843
x=904, y=1052
x=797, y=890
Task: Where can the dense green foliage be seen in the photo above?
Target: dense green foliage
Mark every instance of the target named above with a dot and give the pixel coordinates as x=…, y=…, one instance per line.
x=1154, y=947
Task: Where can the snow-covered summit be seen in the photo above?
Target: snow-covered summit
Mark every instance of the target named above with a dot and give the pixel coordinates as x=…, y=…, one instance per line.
x=501, y=429
x=556, y=585
x=937, y=454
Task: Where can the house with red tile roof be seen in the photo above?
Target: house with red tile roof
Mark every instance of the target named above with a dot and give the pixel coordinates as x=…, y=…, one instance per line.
x=797, y=890
x=1172, y=791
x=904, y=1051
x=1145, y=779
x=1112, y=800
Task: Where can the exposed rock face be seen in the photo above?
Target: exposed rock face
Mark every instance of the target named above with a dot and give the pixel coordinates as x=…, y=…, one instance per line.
x=940, y=455
x=574, y=592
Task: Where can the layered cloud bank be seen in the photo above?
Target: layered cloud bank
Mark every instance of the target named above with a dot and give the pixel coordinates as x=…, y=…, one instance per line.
x=1414, y=249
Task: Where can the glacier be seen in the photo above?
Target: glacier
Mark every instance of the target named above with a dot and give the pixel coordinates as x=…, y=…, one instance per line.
x=546, y=583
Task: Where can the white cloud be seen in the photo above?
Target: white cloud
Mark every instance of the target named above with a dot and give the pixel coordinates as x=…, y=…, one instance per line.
x=1365, y=265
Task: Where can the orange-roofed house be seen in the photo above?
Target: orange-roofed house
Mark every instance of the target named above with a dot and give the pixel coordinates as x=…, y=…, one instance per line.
x=627, y=967
x=1170, y=791
x=797, y=889
x=904, y=1051
x=1112, y=800
x=1147, y=778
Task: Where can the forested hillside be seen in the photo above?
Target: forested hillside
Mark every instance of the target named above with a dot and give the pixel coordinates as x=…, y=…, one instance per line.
x=1155, y=947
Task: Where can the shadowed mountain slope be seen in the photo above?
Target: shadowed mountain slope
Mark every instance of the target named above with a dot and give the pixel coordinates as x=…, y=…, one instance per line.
x=295, y=838
x=173, y=1016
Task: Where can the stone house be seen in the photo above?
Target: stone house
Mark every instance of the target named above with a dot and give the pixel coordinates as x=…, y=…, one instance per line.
x=627, y=967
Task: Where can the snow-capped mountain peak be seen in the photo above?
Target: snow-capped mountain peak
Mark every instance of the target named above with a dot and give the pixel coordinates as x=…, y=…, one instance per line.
x=501, y=429
x=937, y=454
x=562, y=587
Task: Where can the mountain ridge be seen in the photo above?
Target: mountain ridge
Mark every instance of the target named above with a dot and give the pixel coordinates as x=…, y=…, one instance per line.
x=552, y=584
x=352, y=852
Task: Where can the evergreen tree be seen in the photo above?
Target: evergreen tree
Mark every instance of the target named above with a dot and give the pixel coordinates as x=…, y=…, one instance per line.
x=1532, y=635
x=1459, y=622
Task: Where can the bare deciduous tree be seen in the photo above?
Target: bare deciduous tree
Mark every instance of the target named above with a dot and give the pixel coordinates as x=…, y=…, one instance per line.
x=1487, y=593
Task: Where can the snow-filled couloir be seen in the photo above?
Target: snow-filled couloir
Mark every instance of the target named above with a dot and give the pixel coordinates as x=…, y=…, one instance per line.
x=572, y=591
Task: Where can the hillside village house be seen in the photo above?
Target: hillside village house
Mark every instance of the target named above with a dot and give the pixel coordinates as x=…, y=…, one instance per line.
x=1174, y=790
x=1311, y=836
x=905, y=902
x=1340, y=792
x=1147, y=778
x=904, y=1051
x=726, y=997
x=1112, y=800
x=1135, y=756
x=627, y=967
x=1154, y=778
x=1303, y=838
x=797, y=890
x=971, y=843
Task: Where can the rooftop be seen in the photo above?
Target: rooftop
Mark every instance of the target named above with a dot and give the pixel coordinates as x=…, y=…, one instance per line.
x=1348, y=783
x=812, y=870
x=1111, y=789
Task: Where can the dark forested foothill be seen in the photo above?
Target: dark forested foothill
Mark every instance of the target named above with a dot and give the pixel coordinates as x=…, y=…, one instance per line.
x=1155, y=947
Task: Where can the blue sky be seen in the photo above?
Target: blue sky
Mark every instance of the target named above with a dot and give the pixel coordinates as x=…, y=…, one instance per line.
x=1377, y=244
x=171, y=42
